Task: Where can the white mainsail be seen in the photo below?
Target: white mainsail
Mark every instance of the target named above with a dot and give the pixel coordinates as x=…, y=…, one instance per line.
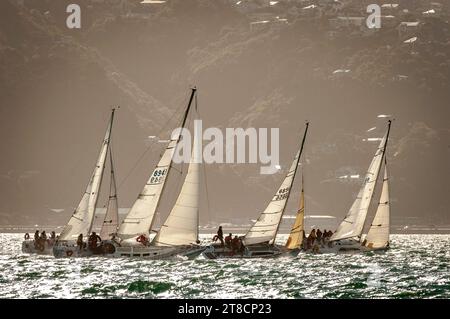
x=111, y=221
x=378, y=235
x=353, y=223
x=265, y=229
x=139, y=220
x=181, y=226
x=83, y=217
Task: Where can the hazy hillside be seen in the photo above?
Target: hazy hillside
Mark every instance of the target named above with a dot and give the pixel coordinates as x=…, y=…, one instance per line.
x=57, y=85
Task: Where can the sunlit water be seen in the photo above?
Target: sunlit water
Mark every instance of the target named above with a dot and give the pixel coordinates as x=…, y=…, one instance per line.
x=417, y=266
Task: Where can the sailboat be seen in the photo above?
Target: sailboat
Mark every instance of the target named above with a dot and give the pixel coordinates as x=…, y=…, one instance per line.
x=348, y=236
x=259, y=241
x=179, y=233
x=82, y=220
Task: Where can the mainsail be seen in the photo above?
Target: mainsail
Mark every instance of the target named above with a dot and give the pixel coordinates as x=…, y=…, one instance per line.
x=111, y=221
x=378, y=235
x=266, y=227
x=181, y=226
x=295, y=239
x=353, y=223
x=139, y=219
x=83, y=217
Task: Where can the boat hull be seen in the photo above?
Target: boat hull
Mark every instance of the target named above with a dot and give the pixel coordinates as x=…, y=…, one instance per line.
x=29, y=247
x=156, y=252
x=111, y=249
x=71, y=250
x=254, y=251
x=347, y=246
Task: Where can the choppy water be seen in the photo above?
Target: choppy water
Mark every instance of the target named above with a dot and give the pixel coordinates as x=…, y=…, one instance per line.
x=417, y=266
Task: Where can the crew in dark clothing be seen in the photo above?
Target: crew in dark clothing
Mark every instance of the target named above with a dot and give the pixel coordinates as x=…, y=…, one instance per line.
x=219, y=236
x=228, y=240
x=80, y=243
x=311, y=239
x=43, y=236
x=319, y=236
x=236, y=244
x=36, y=235
x=93, y=240
x=53, y=235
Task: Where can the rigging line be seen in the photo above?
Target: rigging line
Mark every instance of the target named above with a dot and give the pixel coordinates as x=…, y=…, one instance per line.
x=138, y=161
x=207, y=194
x=205, y=179
x=111, y=170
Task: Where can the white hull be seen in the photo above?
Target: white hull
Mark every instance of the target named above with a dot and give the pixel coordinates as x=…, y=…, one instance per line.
x=156, y=252
x=113, y=250
x=29, y=247
x=253, y=251
x=70, y=250
x=341, y=246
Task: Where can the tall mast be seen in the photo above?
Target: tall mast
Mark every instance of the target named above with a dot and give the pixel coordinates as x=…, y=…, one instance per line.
x=293, y=179
x=83, y=217
x=140, y=218
x=107, y=141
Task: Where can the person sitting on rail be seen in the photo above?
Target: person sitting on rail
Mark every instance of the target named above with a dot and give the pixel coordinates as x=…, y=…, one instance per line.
x=143, y=240
x=80, y=242
x=93, y=240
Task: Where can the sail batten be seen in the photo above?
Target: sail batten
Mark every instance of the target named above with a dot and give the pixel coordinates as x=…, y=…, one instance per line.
x=82, y=219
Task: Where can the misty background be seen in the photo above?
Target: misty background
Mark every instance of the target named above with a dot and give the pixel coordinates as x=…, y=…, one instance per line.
x=57, y=87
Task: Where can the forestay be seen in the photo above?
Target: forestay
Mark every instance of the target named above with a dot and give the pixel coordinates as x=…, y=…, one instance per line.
x=181, y=226
x=83, y=217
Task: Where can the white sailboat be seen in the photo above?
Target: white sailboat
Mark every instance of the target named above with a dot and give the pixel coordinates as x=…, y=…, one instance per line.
x=349, y=233
x=81, y=222
x=259, y=241
x=179, y=233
